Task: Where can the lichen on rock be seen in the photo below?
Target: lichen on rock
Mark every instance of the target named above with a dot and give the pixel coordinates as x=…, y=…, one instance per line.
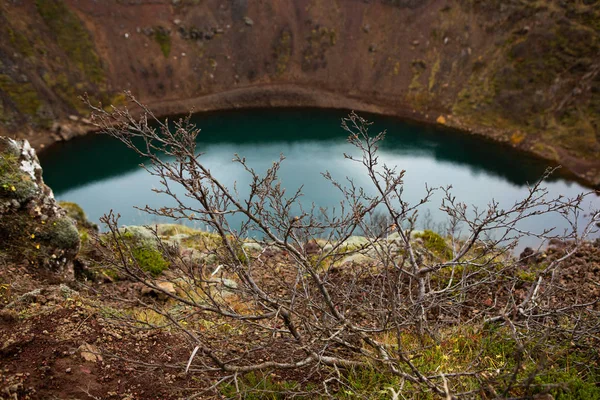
x=34, y=229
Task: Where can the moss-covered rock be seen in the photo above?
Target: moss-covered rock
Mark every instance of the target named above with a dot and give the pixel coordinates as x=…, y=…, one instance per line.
x=76, y=213
x=60, y=233
x=150, y=260
x=435, y=243
x=144, y=247
x=33, y=228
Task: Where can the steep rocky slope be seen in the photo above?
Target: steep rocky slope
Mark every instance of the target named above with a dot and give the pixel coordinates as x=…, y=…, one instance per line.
x=522, y=71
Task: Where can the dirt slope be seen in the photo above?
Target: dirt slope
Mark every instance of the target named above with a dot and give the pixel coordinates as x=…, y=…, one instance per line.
x=522, y=71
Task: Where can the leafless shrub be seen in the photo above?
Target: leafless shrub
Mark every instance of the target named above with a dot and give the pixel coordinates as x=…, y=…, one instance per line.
x=307, y=298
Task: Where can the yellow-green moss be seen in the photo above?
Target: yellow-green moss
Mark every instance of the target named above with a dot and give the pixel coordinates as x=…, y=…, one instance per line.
x=162, y=37
x=435, y=243
x=319, y=41
x=74, y=211
x=19, y=41
x=434, y=71
x=283, y=51
x=259, y=386
x=119, y=99
x=14, y=184
x=23, y=95
x=150, y=260
x=72, y=37
x=144, y=250
x=68, y=91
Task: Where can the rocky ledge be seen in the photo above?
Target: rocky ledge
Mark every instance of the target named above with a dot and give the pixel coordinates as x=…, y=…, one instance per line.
x=34, y=229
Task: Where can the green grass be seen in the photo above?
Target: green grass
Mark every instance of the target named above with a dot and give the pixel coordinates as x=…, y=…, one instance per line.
x=258, y=386
x=548, y=364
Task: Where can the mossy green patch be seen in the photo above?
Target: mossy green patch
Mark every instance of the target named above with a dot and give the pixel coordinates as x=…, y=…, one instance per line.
x=144, y=248
x=72, y=37
x=19, y=41
x=319, y=40
x=418, y=67
x=163, y=38
x=74, y=211
x=37, y=241
x=282, y=52
x=169, y=230
x=4, y=117
x=150, y=260
x=66, y=89
x=258, y=386
x=119, y=99
x=60, y=233
x=434, y=71
x=203, y=241
x=435, y=243
x=14, y=184
x=22, y=94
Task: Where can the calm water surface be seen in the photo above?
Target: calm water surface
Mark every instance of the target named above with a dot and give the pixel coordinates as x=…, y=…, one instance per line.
x=101, y=174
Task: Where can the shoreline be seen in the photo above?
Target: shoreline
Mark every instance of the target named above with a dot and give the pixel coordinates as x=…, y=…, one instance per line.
x=271, y=96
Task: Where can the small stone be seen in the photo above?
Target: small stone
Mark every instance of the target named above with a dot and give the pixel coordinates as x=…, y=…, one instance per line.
x=89, y=352
x=357, y=259
x=68, y=370
x=252, y=247
x=248, y=21
x=164, y=290
x=14, y=389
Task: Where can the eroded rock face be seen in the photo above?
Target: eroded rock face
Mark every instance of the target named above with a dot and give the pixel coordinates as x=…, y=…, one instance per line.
x=34, y=229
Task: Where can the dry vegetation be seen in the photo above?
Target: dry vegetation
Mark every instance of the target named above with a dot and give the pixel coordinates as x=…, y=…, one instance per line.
x=309, y=309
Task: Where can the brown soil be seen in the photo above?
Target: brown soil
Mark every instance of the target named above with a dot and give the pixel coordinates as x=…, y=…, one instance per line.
x=41, y=335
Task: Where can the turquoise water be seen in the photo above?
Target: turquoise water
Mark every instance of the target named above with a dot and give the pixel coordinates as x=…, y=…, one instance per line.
x=101, y=174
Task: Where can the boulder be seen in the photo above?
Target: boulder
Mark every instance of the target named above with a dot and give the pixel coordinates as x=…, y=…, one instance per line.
x=165, y=289
x=358, y=259
x=252, y=247
x=76, y=213
x=140, y=235
x=33, y=227
x=312, y=247
x=354, y=242
x=89, y=353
